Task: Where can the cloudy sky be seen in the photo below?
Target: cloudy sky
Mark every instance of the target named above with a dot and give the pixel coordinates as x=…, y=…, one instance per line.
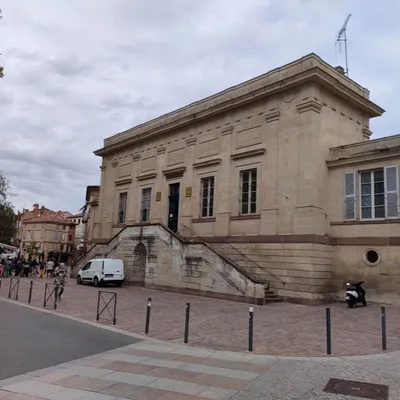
x=78, y=71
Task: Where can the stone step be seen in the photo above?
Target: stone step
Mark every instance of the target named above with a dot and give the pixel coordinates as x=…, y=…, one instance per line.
x=274, y=300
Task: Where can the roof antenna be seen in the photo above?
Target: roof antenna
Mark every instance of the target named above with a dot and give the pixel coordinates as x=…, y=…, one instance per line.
x=342, y=37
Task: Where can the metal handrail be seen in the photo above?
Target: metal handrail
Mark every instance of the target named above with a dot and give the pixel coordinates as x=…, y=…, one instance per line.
x=240, y=253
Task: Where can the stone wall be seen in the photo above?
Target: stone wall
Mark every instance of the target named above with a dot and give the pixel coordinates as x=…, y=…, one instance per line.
x=153, y=257
x=301, y=272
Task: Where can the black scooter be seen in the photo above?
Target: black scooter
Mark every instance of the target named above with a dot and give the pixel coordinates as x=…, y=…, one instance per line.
x=355, y=294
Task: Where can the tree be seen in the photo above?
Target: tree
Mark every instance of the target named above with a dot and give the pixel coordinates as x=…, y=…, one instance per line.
x=8, y=219
x=32, y=250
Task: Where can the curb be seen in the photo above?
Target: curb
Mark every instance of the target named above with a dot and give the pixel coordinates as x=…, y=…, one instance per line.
x=395, y=353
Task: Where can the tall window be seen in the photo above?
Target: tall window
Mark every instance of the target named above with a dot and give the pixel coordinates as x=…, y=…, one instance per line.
x=248, y=191
x=123, y=198
x=378, y=197
x=146, y=202
x=372, y=194
x=207, y=197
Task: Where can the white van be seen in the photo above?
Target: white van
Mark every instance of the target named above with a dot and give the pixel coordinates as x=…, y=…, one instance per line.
x=101, y=271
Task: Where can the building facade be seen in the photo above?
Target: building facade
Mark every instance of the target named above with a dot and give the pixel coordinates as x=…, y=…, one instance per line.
x=277, y=177
x=77, y=219
x=42, y=231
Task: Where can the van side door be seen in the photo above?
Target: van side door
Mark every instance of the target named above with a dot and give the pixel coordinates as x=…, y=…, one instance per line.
x=85, y=271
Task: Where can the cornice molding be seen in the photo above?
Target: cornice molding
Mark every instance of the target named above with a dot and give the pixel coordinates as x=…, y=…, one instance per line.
x=125, y=181
x=272, y=116
x=172, y=173
x=114, y=163
x=311, y=104
x=135, y=157
x=191, y=141
x=161, y=150
x=366, y=133
x=207, y=163
x=249, y=153
x=270, y=85
x=146, y=176
x=376, y=155
x=228, y=130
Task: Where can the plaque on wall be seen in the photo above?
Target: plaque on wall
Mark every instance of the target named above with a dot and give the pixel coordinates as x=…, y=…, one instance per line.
x=188, y=191
x=158, y=196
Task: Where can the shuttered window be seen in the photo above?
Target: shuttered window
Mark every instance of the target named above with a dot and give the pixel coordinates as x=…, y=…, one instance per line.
x=392, y=192
x=350, y=196
x=379, y=196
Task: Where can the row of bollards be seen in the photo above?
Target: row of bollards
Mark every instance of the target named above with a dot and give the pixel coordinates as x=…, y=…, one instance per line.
x=187, y=318
x=14, y=289
x=251, y=326
x=329, y=332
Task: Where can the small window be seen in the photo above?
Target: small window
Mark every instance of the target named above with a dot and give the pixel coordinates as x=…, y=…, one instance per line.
x=248, y=191
x=146, y=202
x=79, y=221
x=207, y=196
x=123, y=198
x=62, y=247
x=86, y=267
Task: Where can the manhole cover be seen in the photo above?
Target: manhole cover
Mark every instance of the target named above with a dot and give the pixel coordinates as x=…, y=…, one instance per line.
x=357, y=389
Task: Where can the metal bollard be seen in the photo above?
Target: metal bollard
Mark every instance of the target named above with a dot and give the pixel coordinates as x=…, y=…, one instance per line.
x=186, y=338
x=45, y=294
x=30, y=292
x=251, y=322
x=383, y=324
x=146, y=331
x=55, y=297
x=115, y=310
x=328, y=332
x=9, y=290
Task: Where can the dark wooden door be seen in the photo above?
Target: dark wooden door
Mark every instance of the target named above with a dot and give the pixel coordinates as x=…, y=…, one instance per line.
x=173, y=208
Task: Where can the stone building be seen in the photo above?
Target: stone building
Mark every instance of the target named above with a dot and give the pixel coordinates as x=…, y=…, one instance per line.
x=77, y=219
x=41, y=231
x=270, y=189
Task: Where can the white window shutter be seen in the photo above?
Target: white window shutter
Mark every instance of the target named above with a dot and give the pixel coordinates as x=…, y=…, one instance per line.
x=350, y=196
x=391, y=192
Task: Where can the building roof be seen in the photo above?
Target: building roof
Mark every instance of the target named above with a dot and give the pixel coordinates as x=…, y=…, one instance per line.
x=80, y=215
x=91, y=189
x=306, y=69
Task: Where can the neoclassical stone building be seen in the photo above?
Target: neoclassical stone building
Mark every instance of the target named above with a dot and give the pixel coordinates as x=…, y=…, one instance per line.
x=271, y=188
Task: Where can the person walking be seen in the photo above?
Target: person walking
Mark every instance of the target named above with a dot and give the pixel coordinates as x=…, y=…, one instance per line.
x=50, y=268
x=1, y=268
x=60, y=279
x=41, y=270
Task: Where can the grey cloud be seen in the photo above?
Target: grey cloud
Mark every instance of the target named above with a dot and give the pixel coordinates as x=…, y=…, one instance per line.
x=77, y=73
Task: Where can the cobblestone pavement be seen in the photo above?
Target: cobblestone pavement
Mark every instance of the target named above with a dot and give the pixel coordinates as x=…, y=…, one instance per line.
x=154, y=370
x=279, y=329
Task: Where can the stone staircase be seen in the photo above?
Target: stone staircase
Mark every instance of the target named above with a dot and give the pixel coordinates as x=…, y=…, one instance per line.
x=253, y=268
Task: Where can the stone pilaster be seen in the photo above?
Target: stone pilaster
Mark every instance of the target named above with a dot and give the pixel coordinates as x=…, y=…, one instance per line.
x=223, y=190
x=186, y=207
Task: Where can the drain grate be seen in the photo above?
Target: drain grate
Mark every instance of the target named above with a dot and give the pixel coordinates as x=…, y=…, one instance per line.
x=357, y=389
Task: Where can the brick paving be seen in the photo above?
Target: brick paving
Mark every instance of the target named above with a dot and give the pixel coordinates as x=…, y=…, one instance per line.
x=155, y=370
x=279, y=329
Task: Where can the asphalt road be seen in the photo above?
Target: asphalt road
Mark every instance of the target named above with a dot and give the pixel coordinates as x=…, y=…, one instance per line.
x=31, y=340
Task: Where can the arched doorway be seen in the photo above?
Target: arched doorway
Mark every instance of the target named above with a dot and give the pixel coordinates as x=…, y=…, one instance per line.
x=139, y=264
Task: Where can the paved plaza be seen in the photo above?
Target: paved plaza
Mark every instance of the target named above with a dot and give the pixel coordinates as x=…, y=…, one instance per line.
x=155, y=370
x=279, y=329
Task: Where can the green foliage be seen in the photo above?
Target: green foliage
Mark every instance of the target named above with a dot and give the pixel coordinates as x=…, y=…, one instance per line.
x=8, y=219
x=33, y=250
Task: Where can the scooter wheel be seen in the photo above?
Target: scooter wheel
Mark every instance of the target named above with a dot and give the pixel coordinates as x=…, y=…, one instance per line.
x=350, y=304
x=364, y=302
